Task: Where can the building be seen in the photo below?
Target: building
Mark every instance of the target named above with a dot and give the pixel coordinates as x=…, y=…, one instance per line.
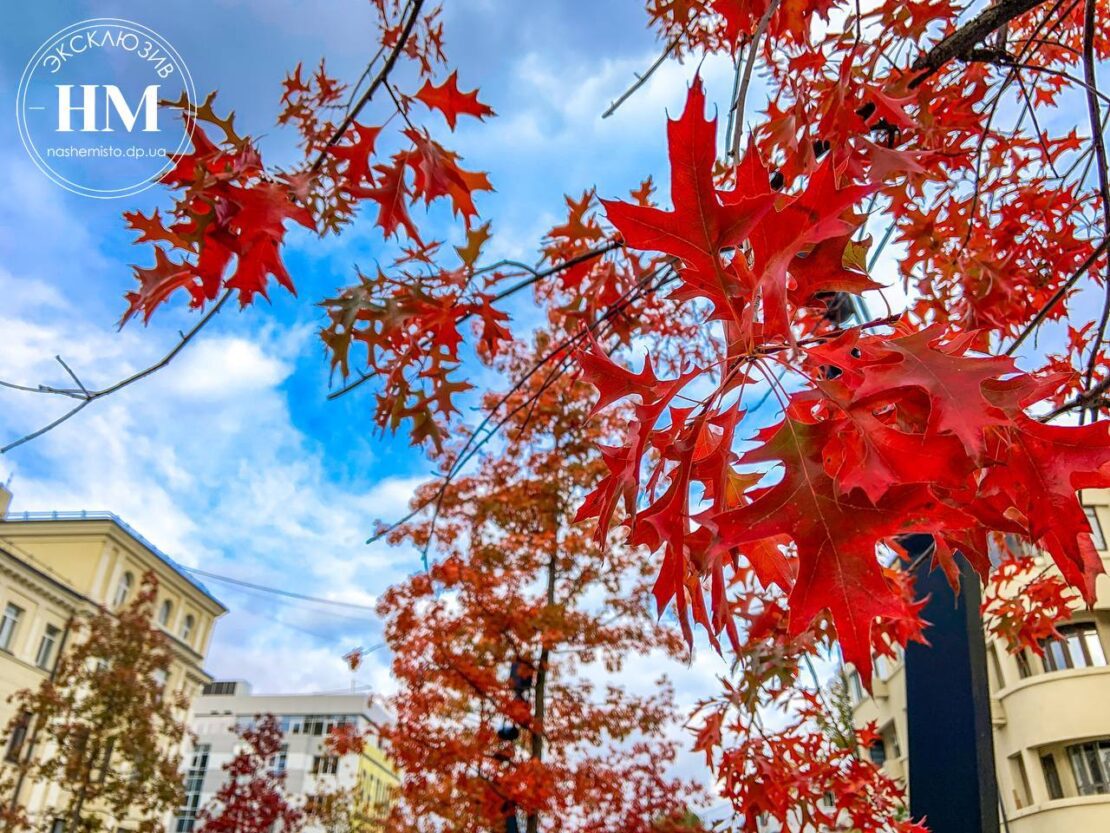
x=1051, y=715
x=309, y=767
x=58, y=567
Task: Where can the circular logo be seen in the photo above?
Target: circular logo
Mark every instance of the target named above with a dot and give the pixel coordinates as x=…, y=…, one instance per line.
x=99, y=107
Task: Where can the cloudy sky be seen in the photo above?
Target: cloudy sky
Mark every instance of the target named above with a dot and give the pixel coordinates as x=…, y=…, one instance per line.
x=231, y=460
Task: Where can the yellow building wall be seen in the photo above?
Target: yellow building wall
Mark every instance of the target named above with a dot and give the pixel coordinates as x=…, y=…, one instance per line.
x=57, y=569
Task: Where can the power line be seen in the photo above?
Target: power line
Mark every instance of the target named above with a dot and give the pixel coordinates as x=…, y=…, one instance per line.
x=278, y=591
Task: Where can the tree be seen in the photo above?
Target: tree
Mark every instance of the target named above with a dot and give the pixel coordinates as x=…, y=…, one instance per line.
x=926, y=123
x=253, y=798
x=104, y=725
x=498, y=648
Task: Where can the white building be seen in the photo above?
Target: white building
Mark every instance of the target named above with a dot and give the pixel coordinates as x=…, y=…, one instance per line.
x=306, y=720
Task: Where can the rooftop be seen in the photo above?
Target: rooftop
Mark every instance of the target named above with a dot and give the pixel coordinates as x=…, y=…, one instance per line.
x=86, y=515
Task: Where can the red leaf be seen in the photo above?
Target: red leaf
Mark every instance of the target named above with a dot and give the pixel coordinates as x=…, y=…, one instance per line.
x=451, y=102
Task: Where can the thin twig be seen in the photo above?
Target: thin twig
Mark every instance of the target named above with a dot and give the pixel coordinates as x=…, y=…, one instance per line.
x=379, y=79
x=534, y=277
x=1066, y=287
x=642, y=79
x=741, y=97
x=87, y=397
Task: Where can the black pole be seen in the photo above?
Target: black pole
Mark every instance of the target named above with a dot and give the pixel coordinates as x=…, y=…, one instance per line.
x=951, y=745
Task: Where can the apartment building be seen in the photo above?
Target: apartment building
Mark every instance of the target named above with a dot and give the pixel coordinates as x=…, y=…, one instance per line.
x=58, y=567
x=1051, y=714
x=309, y=766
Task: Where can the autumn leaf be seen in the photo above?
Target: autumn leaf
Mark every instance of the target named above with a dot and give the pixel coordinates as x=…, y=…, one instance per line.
x=451, y=102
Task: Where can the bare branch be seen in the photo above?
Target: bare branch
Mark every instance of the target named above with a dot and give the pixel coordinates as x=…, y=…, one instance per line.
x=642, y=79
x=87, y=397
x=753, y=47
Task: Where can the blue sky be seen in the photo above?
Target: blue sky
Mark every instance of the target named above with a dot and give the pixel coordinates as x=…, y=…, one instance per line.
x=232, y=460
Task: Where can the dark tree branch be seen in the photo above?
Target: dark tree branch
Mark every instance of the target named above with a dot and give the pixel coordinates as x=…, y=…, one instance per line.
x=379, y=79
x=1058, y=295
x=961, y=42
x=1099, y=144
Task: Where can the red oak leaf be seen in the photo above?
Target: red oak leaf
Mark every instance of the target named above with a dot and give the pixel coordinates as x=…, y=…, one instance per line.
x=451, y=102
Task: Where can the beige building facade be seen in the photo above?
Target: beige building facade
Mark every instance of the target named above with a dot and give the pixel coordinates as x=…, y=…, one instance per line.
x=56, y=568
x=1050, y=714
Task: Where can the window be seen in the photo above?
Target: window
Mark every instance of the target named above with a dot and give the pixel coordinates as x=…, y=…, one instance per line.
x=1090, y=764
x=194, y=781
x=325, y=764
x=46, y=648
x=164, y=613
x=278, y=761
x=1078, y=647
x=1051, y=777
x=187, y=628
x=1097, y=537
x=123, y=589
x=1024, y=669
x=855, y=688
x=59, y=826
x=19, y=734
x=877, y=752
x=8, y=625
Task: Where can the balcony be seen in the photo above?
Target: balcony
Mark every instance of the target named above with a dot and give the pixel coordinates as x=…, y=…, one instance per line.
x=1034, y=714
x=1088, y=813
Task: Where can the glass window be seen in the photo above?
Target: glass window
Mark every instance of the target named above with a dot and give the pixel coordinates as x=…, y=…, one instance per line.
x=8, y=625
x=19, y=734
x=1024, y=669
x=877, y=752
x=1090, y=764
x=123, y=589
x=187, y=627
x=1051, y=777
x=855, y=688
x=46, y=647
x=325, y=764
x=194, y=779
x=1077, y=647
x=1097, y=537
x=164, y=613
x=278, y=761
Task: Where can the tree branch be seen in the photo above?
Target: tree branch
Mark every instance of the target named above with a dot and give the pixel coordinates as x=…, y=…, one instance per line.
x=379, y=79
x=963, y=40
x=86, y=397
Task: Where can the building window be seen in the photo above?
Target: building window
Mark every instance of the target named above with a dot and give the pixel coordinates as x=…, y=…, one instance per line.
x=1097, y=537
x=164, y=613
x=1077, y=647
x=46, y=648
x=1090, y=764
x=325, y=764
x=877, y=752
x=123, y=589
x=194, y=782
x=1051, y=777
x=8, y=625
x=187, y=628
x=19, y=735
x=278, y=761
x=1024, y=668
x=855, y=688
